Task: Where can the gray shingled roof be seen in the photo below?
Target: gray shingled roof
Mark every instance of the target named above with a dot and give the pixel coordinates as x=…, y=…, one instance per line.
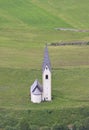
x=46, y=60
x=36, y=88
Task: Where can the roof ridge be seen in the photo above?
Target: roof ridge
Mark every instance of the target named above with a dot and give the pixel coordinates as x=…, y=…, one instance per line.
x=36, y=85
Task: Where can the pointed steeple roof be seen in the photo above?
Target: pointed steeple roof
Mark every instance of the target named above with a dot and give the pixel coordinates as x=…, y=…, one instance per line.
x=46, y=60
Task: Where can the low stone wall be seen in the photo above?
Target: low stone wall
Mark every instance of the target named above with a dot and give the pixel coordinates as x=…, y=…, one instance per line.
x=68, y=43
x=71, y=29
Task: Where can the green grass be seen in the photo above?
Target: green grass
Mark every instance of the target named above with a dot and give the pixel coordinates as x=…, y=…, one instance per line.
x=72, y=12
x=68, y=88
x=30, y=23
x=70, y=80
x=19, y=68
x=25, y=27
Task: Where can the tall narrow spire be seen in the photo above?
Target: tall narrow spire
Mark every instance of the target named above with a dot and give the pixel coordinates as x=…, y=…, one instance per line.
x=46, y=61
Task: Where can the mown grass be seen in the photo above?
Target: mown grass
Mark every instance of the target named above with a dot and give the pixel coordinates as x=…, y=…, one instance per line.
x=72, y=12
x=32, y=23
x=19, y=68
x=69, y=88
x=31, y=58
x=25, y=27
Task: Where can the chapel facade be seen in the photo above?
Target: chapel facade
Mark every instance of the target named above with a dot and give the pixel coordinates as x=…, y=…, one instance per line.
x=42, y=92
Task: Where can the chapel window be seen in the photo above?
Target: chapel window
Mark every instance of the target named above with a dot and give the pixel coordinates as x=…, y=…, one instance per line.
x=46, y=77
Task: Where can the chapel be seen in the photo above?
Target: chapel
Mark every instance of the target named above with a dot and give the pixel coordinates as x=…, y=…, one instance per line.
x=42, y=92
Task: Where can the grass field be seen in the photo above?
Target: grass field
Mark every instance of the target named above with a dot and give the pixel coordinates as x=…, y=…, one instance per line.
x=70, y=80
x=25, y=27
x=32, y=23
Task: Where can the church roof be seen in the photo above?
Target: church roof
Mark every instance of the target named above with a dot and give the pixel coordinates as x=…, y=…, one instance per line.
x=36, y=88
x=46, y=60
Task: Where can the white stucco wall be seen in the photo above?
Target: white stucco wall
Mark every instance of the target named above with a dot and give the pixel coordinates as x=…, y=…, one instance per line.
x=36, y=98
x=46, y=85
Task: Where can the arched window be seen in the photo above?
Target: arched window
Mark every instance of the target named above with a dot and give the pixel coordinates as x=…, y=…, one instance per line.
x=46, y=77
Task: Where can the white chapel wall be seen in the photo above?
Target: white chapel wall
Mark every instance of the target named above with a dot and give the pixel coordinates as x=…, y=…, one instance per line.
x=46, y=85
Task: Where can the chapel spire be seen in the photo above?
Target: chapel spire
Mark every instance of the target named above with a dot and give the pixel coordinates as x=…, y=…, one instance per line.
x=46, y=61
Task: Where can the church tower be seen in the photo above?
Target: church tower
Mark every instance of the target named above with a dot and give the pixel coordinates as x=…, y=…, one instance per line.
x=46, y=77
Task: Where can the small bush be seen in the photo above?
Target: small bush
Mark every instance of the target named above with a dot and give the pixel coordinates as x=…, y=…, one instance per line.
x=45, y=128
x=49, y=111
x=59, y=127
x=34, y=127
x=10, y=128
x=24, y=125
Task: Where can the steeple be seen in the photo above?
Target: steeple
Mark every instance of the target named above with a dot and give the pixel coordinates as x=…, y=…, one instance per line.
x=43, y=92
x=46, y=76
x=46, y=61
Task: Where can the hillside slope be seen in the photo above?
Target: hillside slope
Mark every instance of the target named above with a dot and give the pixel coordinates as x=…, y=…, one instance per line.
x=25, y=27
x=32, y=23
x=39, y=13
x=73, y=12
x=27, y=13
